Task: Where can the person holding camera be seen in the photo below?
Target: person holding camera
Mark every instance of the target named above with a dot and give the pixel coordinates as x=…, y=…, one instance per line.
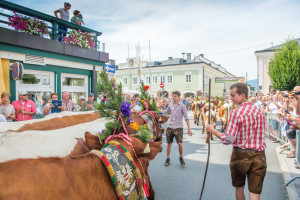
x=49, y=105
x=90, y=104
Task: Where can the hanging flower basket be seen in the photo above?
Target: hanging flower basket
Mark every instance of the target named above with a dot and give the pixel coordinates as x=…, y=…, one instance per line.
x=81, y=39
x=29, y=25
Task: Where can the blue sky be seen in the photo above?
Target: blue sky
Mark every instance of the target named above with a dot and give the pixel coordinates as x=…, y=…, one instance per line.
x=216, y=28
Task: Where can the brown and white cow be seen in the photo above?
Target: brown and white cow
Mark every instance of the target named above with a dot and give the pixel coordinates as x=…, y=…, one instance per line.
x=224, y=114
x=197, y=108
x=79, y=177
x=51, y=122
x=213, y=118
x=34, y=144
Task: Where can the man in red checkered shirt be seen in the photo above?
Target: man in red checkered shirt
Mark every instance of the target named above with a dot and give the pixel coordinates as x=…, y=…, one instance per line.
x=246, y=132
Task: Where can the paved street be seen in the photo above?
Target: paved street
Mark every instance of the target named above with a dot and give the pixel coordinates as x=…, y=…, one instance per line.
x=178, y=183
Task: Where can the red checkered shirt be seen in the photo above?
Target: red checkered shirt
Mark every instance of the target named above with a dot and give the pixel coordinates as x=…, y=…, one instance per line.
x=177, y=113
x=246, y=127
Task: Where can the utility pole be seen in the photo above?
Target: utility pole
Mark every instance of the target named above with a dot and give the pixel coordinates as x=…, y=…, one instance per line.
x=150, y=69
x=128, y=81
x=246, y=77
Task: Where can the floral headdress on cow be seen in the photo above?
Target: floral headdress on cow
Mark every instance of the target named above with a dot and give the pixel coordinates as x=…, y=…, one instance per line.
x=147, y=100
x=115, y=107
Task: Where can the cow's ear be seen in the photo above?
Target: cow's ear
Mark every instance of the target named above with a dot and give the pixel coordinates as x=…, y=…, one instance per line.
x=148, y=150
x=161, y=118
x=92, y=141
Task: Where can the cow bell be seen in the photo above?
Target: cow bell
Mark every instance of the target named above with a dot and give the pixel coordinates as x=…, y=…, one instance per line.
x=159, y=120
x=147, y=149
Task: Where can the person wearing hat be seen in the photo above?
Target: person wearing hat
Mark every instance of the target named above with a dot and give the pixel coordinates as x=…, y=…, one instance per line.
x=64, y=15
x=24, y=107
x=75, y=19
x=80, y=103
x=90, y=104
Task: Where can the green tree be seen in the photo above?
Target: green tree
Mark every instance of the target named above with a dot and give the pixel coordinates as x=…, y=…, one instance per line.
x=284, y=68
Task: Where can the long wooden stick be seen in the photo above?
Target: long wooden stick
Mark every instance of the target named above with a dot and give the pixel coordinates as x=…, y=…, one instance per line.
x=208, y=135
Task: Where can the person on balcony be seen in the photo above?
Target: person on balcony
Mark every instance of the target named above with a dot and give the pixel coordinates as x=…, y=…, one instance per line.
x=75, y=19
x=64, y=15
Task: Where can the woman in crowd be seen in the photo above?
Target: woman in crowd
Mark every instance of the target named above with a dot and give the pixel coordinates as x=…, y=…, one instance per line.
x=6, y=109
x=135, y=109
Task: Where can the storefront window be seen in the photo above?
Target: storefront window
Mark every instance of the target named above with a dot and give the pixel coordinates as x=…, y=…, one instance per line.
x=74, y=96
x=35, y=79
x=68, y=81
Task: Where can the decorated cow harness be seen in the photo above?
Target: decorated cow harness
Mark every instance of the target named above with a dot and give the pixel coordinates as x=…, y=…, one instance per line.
x=123, y=171
x=126, y=176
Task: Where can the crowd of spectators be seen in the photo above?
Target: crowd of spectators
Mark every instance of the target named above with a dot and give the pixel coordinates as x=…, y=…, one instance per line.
x=24, y=109
x=282, y=117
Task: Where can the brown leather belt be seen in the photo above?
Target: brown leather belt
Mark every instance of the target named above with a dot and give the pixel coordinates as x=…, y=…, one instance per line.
x=247, y=150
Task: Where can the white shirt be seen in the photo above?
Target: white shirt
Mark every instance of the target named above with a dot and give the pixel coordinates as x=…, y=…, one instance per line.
x=64, y=14
x=2, y=118
x=273, y=108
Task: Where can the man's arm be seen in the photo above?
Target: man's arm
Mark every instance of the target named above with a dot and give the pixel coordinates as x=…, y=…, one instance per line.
x=167, y=111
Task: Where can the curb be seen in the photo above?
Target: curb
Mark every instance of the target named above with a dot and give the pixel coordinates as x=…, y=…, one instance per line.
x=291, y=188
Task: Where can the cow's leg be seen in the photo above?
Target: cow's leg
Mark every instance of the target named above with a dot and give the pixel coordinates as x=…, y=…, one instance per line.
x=222, y=124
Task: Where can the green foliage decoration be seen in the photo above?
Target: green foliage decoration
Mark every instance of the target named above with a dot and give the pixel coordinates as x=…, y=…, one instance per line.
x=112, y=108
x=143, y=133
x=145, y=96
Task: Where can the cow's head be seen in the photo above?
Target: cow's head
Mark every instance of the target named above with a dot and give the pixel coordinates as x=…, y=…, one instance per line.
x=148, y=150
x=161, y=119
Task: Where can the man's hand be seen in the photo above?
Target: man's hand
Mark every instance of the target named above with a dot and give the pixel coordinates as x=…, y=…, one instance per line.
x=61, y=107
x=51, y=106
x=209, y=128
x=90, y=106
x=189, y=132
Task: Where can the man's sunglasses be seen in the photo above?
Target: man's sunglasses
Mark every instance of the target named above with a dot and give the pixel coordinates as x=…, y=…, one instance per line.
x=24, y=95
x=297, y=93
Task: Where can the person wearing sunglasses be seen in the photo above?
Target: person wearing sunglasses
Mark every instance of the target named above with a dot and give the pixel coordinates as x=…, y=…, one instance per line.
x=24, y=107
x=135, y=109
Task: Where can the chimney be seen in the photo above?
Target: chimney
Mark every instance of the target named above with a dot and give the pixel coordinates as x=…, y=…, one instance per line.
x=170, y=58
x=202, y=55
x=189, y=56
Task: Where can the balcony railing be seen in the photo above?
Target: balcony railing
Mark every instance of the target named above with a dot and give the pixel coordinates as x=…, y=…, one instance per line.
x=51, y=21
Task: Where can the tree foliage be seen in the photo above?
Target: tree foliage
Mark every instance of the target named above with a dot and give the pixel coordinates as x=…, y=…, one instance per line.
x=145, y=96
x=112, y=108
x=284, y=68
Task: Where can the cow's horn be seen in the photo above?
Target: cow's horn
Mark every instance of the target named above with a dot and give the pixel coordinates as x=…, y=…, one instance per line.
x=147, y=149
x=159, y=120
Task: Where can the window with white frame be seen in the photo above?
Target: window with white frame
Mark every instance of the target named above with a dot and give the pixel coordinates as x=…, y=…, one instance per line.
x=154, y=79
x=188, y=77
x=162, y=78
x=148, y=79
x=125, y=80
x=38, y=84
x=170, y=78
x=134, y=80
x=76, y=85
